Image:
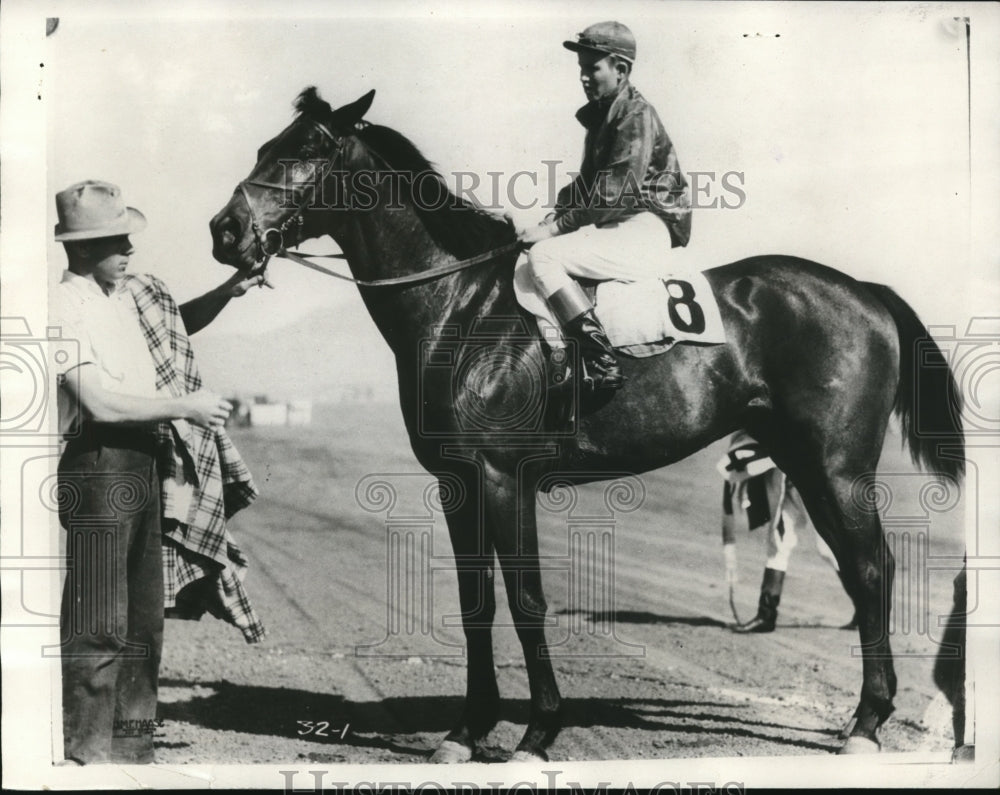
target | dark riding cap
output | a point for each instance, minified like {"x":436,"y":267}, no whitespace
{"x":610,"y":38}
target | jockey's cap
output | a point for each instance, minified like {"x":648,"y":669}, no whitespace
{"x":612,"y":38}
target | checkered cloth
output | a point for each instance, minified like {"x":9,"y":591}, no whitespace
{"x":204,"y":481}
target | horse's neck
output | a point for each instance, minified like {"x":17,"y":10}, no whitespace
{"x":384,"y":243}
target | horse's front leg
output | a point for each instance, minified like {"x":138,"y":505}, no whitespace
{"x":474,"y":563}
{"x":510,"y":509}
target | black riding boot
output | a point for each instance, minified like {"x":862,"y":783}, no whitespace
{"x":596,"y":351}
{"x":767,"y":608}
{"x":573,"y":310}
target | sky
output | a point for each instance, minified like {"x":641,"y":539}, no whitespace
{"x":848,"y":125}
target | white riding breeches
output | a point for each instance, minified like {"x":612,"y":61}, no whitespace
{"x":634,"y":249}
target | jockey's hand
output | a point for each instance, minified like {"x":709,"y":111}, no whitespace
{"x":533,"y":234}
{"x":240,"y":282}
{"x":729,"y":554}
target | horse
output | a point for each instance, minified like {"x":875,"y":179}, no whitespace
{"x":815,"y":365}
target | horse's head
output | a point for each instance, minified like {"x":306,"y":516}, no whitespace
{"x":267,"y":211}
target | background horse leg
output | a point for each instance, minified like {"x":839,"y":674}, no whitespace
{"x":511,"y":513}
{"x":474,"y":563}
{"x":949,"y":667}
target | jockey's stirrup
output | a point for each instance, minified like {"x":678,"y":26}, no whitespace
{"x":576,"y":314}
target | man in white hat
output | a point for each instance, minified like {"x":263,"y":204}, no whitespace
{"x":625,"y":210}
{"x":109,"y":413}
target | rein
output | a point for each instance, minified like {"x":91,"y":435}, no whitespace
{"x":267,"y":248}
{"x":410,"y":278}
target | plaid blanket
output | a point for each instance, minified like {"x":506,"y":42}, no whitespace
{"x":204,"y":481}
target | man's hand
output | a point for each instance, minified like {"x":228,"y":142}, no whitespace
{"x":533,"y":234}
{"x":207,"y":409}
{"x":203,"y":407}
{"x":199,"y":312}
{"x":239,"y":283}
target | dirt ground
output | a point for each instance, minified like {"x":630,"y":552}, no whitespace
{"x":363,"y":659}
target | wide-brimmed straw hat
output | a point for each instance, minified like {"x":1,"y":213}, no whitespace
{"x":93,"y":209}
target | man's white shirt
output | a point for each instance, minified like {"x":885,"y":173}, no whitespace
{"x":107,"y":330}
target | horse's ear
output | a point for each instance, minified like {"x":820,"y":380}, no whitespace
{"x":351,"y":114}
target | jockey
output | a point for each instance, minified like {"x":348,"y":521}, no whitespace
{"x":626,"y":208}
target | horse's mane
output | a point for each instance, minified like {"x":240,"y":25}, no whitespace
{"x":460,"y":227}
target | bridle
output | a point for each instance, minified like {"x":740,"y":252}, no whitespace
{"x":270,"y":242}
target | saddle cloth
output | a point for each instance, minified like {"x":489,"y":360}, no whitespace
{"x":648,"y":317}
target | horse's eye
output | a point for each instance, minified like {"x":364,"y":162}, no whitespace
{"x":302,"y":170}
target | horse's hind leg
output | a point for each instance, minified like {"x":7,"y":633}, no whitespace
{"x":868,"y":569}
{"x":841,"y":506}
{"x":474,"y":563}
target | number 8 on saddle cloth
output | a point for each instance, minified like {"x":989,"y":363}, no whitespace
{"x":648,"y":317}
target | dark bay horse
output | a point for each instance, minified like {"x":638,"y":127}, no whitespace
{"x":815,"y":364}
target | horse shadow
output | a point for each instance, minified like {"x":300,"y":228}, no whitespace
{"x":400,"y":724}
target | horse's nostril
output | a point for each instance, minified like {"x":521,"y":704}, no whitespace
{"x":227,"y":231}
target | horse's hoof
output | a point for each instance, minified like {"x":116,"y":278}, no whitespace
{"x":529,"y":756}
{"x":857,"y":744}
{"x":451,"y":753}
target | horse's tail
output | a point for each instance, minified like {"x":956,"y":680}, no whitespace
{"x":928,"y":401}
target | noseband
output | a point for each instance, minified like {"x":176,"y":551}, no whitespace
{"x":270,"y":242}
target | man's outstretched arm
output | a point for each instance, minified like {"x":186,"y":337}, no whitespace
{"x":199,"y":312}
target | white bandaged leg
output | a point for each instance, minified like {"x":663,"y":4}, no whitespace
{"x":795,"y":514}
{"x":779,"y":544}
{"x":826,"y":553}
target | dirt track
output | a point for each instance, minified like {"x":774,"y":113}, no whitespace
{"x":647,"y":666}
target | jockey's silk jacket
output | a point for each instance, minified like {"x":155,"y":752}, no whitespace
{"x":629,"y":165}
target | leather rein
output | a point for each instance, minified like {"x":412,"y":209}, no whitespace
{"x":270,"y":242}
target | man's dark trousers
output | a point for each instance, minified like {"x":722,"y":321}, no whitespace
{"x":112,"y":608}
